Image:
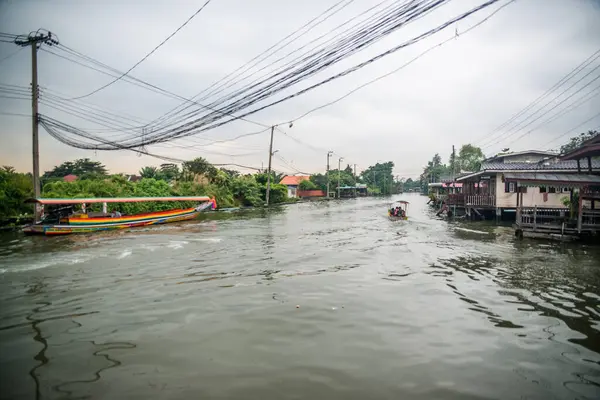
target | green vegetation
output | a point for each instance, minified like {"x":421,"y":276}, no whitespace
{"x":307,"y":185}
{"x":196,"y":178}
{"x":576,"y":141}
{"x":81,"y":167}
{"x":15,"y":188}
{"x":468,"y":159}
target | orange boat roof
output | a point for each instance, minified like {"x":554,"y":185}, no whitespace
{"x":92,"y":200}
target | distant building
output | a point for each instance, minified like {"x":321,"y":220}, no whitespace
{"x":292,"y":182}
{"x":70,"y":178}
{"x":494,"y":186}
{"x":133,"y":178}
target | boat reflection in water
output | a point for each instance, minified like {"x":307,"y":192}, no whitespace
{"x":62,"y":218}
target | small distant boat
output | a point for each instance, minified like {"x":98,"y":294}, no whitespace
{"x":61,"y":218}
{"x":402,"y":211}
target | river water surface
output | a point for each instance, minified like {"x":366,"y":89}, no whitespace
{"x":312,"y":301}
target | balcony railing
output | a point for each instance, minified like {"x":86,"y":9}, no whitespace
{"x":457,"y":199}
{"x":557,"y":219}
{"x":481,"y":200}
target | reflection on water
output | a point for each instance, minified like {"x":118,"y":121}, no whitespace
{"x":320,"y":300}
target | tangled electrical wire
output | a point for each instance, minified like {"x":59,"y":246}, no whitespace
{"x":247,"y":99}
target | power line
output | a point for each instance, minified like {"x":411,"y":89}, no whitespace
{"x":397,"y":69}
{"x":250,"y":64}
{"x":577,"y":127}
{"x":147,"y":55}
{"x":309,"y":68}
{"x":11,"y":54}
{"x":540,"y":116}
{"x":552,"y":89}
{"x":134,"y":81}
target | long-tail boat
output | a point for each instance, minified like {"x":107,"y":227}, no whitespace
{"x":61,"y":217}
{"x":402,"y":208}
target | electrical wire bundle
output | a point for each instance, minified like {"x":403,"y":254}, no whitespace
{"x":575,"y":89}
{"x":250,"y":98}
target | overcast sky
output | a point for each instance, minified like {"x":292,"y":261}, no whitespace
{"x":455,"y":94}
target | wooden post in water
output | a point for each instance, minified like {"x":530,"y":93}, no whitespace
{"x":580,"y":214}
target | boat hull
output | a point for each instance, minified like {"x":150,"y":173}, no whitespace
{"x":88,"y":225}
{"x":395,"y":218}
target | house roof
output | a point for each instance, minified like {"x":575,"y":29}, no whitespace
{"x":70,"y":178}
{"x":568,"y":165}
{"x":294,"y":180}
{"x":536,"y":166}
{"x":575,"y":180}
{"x":521,"y":153}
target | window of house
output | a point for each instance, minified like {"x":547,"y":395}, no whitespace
{"x":510,"y":187}
{"x":551,"y":189}
{"x":566,"y":190}
{"x":542,"y":189}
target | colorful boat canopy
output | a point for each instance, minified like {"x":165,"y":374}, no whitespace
{"x":117,"y":200}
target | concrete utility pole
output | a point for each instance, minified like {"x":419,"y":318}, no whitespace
{"x":354,"y":180}
{"x":329,"y":154}
{"x":454,"y":177}
{"x":339,"y":175}
{"x":35,"y":40}
{"x":269,"y":171}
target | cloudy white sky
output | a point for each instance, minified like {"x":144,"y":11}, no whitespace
{"x":456,"y":94}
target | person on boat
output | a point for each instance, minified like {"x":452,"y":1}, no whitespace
{"x":115,"y":214}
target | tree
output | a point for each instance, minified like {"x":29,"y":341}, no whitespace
{"x":197,"y":166}
{"x":307,"y":185}
{"x":379,"y":177}
{"x":78,"y":167}
{"x":577,"y":141}
{"x":15,"y":188}
{"x":169,"y":172}
{"x":470,"y":158}
{"x":231,"y":172}
{"x":149,"y":172}
{"x":320,"y":181}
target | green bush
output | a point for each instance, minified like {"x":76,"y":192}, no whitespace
{"x":307,"y":185}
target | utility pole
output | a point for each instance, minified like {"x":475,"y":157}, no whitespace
{"x":35,"y":40}
{"x":453,"y":178}
{"x":354,"y":180}
{"x":339,"y":175}
{"x":329,"y":154}
{"x":374,"y":179}
{"x":269,"y":171}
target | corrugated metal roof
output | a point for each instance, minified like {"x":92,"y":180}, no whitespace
{"x":518,"y":166}
{"x":571,"y":179}
{"x":521,"y":153}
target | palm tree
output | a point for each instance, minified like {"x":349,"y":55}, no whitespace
{"x":149,"y":172}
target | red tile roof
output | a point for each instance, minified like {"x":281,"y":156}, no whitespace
{"x":291,"y":180}
{"x":70,"y":178}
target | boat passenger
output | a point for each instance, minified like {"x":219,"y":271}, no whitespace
{"x":115,"y":214}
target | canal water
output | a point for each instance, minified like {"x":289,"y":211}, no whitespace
{"x":309,"y":301}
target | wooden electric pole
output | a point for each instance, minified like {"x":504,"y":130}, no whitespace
{"x":269,"y":170}
{"x":34,"y":40}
